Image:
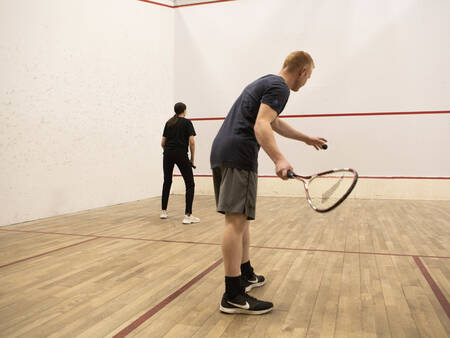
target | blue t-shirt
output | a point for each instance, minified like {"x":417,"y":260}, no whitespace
{"x":235,"y":145}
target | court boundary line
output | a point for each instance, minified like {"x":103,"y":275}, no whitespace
{"x":433,"y":285}
{"x":157,"y":3}
{"x":202,"y":3}
{"x":218,"y":244}
{"x":45,"y":253}
{"x":338,"y":115}
{"x":185,"y":5}
{"x":361,"y":177}
{"x":158,"y":307}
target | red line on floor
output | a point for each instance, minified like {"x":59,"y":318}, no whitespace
{"x":48,"y":233}
{"x":253,"y":246}
{"x":124,"y":332}
{"x":346,"y":252}
{"x":436,"y":290}
{"x":338,"y":115}
{"x":46,"y":253}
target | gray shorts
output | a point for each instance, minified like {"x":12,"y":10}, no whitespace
{"x":235,"y":191}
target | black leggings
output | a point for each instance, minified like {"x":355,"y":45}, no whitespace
{"x":181,"y":159}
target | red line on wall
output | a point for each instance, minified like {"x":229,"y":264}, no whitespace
{"x":187,"y":5}
{"x":339,"y":115}
{"x":405,"y":177}
{"x":436,"y":290}
{"x":203,"y":3}
{"x":157,"y":3}
{"x":138,"y":322}
{"x":364,"y":177}
{"x":385,"y":177}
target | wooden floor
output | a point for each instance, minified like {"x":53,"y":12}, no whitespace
{"x":371,"y":268}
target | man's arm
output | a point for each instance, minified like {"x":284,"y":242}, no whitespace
{"x":163,"y":142}
{"x":284,"y":129}
{"x":192,"y":148}
{"x":265,"y":137}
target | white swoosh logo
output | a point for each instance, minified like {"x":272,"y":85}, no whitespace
{"x":246,"y":306}
{"x":254,"y":281}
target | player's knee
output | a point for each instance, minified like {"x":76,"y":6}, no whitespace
{"x":237,"y":221}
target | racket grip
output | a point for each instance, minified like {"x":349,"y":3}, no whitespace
{"x":290,"y":174}
{"x":324,"y":146}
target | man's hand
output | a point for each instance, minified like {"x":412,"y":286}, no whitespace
{"x":316,"y":142}
{"x":281,"y":168}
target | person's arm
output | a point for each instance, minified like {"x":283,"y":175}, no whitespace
{"x":163,"y":142}
{"x":265,"y":137}
{"x":284,"y":129}
{"x":192,"y":148}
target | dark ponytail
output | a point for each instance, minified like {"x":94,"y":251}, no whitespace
{"x":179,"y":108}
{"x":172,"y":120}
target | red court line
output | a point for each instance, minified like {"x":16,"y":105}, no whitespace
{"x":111,"y":237}
{"x":157,"y":3}
{"x":346,"y":252}
{"x":380,"y":177}
{"x":187,"y":5}
{"x":436,"y":290}
{"x":47,"y":232}
{"x":203,"y":3}
{"x":46,"y":253}
{"x":339,"y":115}
{"x":253,"y":246}
{"x":405,"y":177}
{"x":124,"y":332}
{"x":364,"y":177}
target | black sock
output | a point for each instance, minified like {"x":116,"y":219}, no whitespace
{"x":232,"y":286}
{"x":246,"y":269}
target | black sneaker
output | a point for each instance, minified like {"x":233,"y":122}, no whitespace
{"x":244,"y":303}
{"x":252,"y":281}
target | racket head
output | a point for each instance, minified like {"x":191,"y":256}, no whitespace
{"x":326,"y":190}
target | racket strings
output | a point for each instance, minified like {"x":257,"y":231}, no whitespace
{"x":327,"y":191}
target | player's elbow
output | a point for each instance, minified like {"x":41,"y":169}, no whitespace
{"x":259,"y":130}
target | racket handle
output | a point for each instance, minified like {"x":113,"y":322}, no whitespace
{"x":324,"y":146}
{"x":290,"y":174}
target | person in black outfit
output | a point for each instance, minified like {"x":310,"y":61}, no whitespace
{"x":178,"y":136}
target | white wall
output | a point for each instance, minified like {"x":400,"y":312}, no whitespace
{"x":371,"y":56}
{"x":85,"y":87}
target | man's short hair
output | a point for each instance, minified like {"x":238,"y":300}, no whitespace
{"x":297,"y":60}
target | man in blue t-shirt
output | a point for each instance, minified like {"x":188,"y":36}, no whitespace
{"x":234,"y":161}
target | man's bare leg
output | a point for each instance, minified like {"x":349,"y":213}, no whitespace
{"x":246,"y":243}
{"x":232,"y":243}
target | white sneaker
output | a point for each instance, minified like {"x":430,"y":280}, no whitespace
{"x":163,"y":214}
{"x":190,"y":219}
